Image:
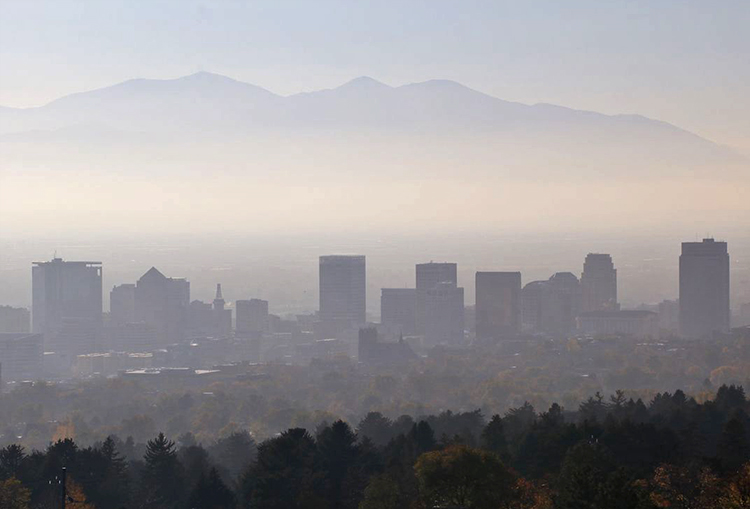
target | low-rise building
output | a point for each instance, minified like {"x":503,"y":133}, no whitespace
{"x":21,"y":356}
{"x":628,"y":322}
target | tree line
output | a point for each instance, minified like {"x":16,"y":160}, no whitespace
{"x":611,"y":452}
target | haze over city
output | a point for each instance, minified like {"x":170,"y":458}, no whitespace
{"x":374,"y":255}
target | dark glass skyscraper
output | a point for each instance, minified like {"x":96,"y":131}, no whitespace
{"x":704,"y":288}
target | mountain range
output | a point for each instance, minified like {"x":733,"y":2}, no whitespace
{"x":420,"y":123}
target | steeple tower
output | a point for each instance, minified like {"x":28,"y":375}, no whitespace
{"x":219,"y":300}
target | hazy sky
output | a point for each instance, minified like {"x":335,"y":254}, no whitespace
{"x":686,"y":62}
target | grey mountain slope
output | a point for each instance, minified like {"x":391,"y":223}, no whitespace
{"x":206,"y":105}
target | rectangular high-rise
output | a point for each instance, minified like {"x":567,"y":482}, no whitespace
{"x":429,"y":276}
{"x":599,"y":283}
{"x":498,"y":304}
{"x":398,"y":309}
{"x":252,"y":317}
{"x":65,"y":291}
{"x":444,"y":315}
{"x":342,"y":289}
{"x":704,"y":288}
{"x":162,"y":303}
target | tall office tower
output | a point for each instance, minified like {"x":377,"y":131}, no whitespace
{"x":252,"y":317}
{"x":65,"y":291}
{"x":222,"y":316}
{"x":122,"y":304}
{"x":162,"y":303}
{"x":599,"y":283}
{"x":532,"y":313}
{"x":444,"y":315}
{"x":429,"y":275}
{"x":342,"y":289}
{"x":563,"y":303}
{"x":551,"y":306}
{"x":498,"y":304}
{"x":704,"y":288}
{"x":398,"y":309}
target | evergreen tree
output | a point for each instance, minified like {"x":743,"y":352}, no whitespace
{"x":195,"y":464}
{"x":583,"y":474}
{"x":11,"y":458}
{"x":210,"y":492}
{"x":376,"y":427}
{"x":162,"y":483}
{"x":114,"y":491}
{"x":493,"y":437}
{"x":337,"y":446}
{"x":733,"y":444}
{"x":284,"y":475}
{"x":234,"y":453}
{"x":423,"y":437}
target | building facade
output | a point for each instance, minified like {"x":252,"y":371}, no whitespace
{"x":551,"y":306}
{"x":342,"y":282}
{"x":444,"y":315}
{"x":252,"y":317}
{"x":21,"y":356}
{"x":14,"y":319}
{"x":498,"y":304}
{"x":428,"y":276}
{"x":704,"y":288}
{"x":599,"y":283}
{"x":162,"y":303}
{"x":637,"y":323}
{"x":398,"y":310}
{"x":63,"y":292}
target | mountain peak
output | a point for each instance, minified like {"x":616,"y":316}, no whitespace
{"x":205,"y":76}
{"x":364,"y":83}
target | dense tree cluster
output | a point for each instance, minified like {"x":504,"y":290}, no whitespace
{"x":273,"y":397}
{"x":612,"y":452}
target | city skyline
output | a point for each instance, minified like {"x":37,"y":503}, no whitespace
{"x":359,"y":254}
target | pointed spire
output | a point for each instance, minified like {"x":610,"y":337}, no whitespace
{"x":219,"y":300}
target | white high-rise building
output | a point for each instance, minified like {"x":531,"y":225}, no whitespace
{"x":343,"y":289}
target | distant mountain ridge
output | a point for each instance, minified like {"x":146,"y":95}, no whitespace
{"x":206,"y":106}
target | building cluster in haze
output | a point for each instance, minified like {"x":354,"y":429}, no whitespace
{"x":154,"y":330}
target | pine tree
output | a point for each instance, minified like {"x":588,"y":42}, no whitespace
{"x":10,"y":460}
{"x":114,"y":490}
{"x":210,"y":492}
{"x":337,"y":446}
{"x":733,"y":444}
{"x":234,"y":453}
{"x":284,"y":474}
{"x":493,"y":437}
{"x":162,"y":475}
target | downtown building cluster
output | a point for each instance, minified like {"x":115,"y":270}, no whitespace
{"x":154,"y":329}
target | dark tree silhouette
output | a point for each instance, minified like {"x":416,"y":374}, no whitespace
{"x":163,"y":485}
{"x":210,"y":492}
{"x":284,"y":476}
